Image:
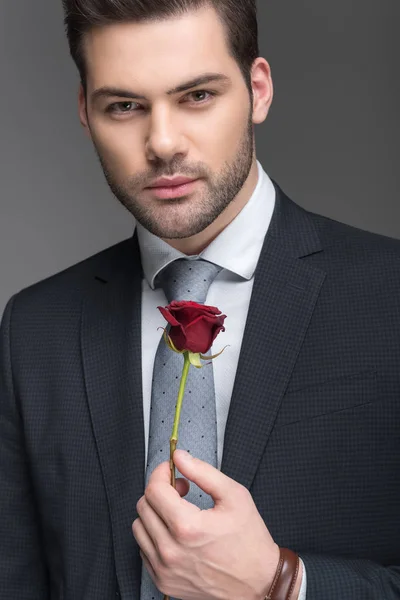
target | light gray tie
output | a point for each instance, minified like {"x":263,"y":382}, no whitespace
{"x":184,"y":279}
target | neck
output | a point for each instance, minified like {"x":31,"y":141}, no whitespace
{"x":197,"y":243}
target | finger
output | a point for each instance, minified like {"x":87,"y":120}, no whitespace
{"x":163,"y":473}
{"x":218,"y":485}
{"x":144,"y":541}
{"x":148,"y":567}
{"x":154,"y":526}
{"x":166,"y":500}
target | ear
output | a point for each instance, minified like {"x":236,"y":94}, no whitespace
{"x":263,"y":89}
{"x":82,"y":110}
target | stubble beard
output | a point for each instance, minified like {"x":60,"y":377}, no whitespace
{"x":168,"y":220}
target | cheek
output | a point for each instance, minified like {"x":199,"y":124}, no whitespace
{"x":224,"y":134}
{"x":118,"y":146}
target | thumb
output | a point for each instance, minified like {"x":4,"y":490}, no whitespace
{"x":208,"y":478}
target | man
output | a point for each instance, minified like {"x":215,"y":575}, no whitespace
{"x":306,"y":394}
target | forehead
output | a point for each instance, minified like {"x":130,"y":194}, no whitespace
{"x":157,"y":53}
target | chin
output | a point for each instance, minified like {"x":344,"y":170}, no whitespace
{"x":173,"y":231}
{"x":175,"y":235}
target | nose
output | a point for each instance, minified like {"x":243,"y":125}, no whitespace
{"x":164,"y":137}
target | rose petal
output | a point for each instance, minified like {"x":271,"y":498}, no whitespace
{"x":168,"y":316}
{"x":178,"y":336}
{"x":201,"y":333}
{"x":188,"y":304}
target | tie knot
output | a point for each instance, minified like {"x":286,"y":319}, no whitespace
{"x":186,"y":279}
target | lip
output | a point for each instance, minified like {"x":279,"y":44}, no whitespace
{"x":176,"y":181}
{"x":173,"y":191}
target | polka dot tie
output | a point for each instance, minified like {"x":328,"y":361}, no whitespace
{"x":184,"y":279}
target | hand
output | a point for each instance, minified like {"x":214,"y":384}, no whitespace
{"x":221,"y":553}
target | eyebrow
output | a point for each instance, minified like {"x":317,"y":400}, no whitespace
{"x":107,"y":92}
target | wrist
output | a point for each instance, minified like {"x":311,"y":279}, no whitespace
{"x":271,"y":567}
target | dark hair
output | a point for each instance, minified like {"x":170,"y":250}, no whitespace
{"x":239,"y":18}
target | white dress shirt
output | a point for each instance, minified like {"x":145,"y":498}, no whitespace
{"x":236,"y":249}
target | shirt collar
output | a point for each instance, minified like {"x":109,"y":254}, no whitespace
{"x":237,"y":248}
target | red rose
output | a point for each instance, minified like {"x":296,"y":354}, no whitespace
{"x":194,"y":326}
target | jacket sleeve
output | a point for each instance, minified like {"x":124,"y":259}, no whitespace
{"x":332,"y":578}
{"x":23,"y":571}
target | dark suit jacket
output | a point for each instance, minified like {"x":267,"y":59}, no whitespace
{"x":313,"y":429}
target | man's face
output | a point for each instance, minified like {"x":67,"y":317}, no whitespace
{"x":204,"y":133}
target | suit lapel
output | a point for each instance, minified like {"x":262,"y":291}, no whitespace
{"x":283,"y":299}
{"x":111,"y":351}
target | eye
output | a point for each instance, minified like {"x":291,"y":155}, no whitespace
{"x":201,"y":93}
{"x":116,"y":106}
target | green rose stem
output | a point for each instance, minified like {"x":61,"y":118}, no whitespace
{"x":174,"y":437}
{"x":190,"y":358}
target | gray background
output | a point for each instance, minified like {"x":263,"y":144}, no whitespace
{"x":331,"y":139}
